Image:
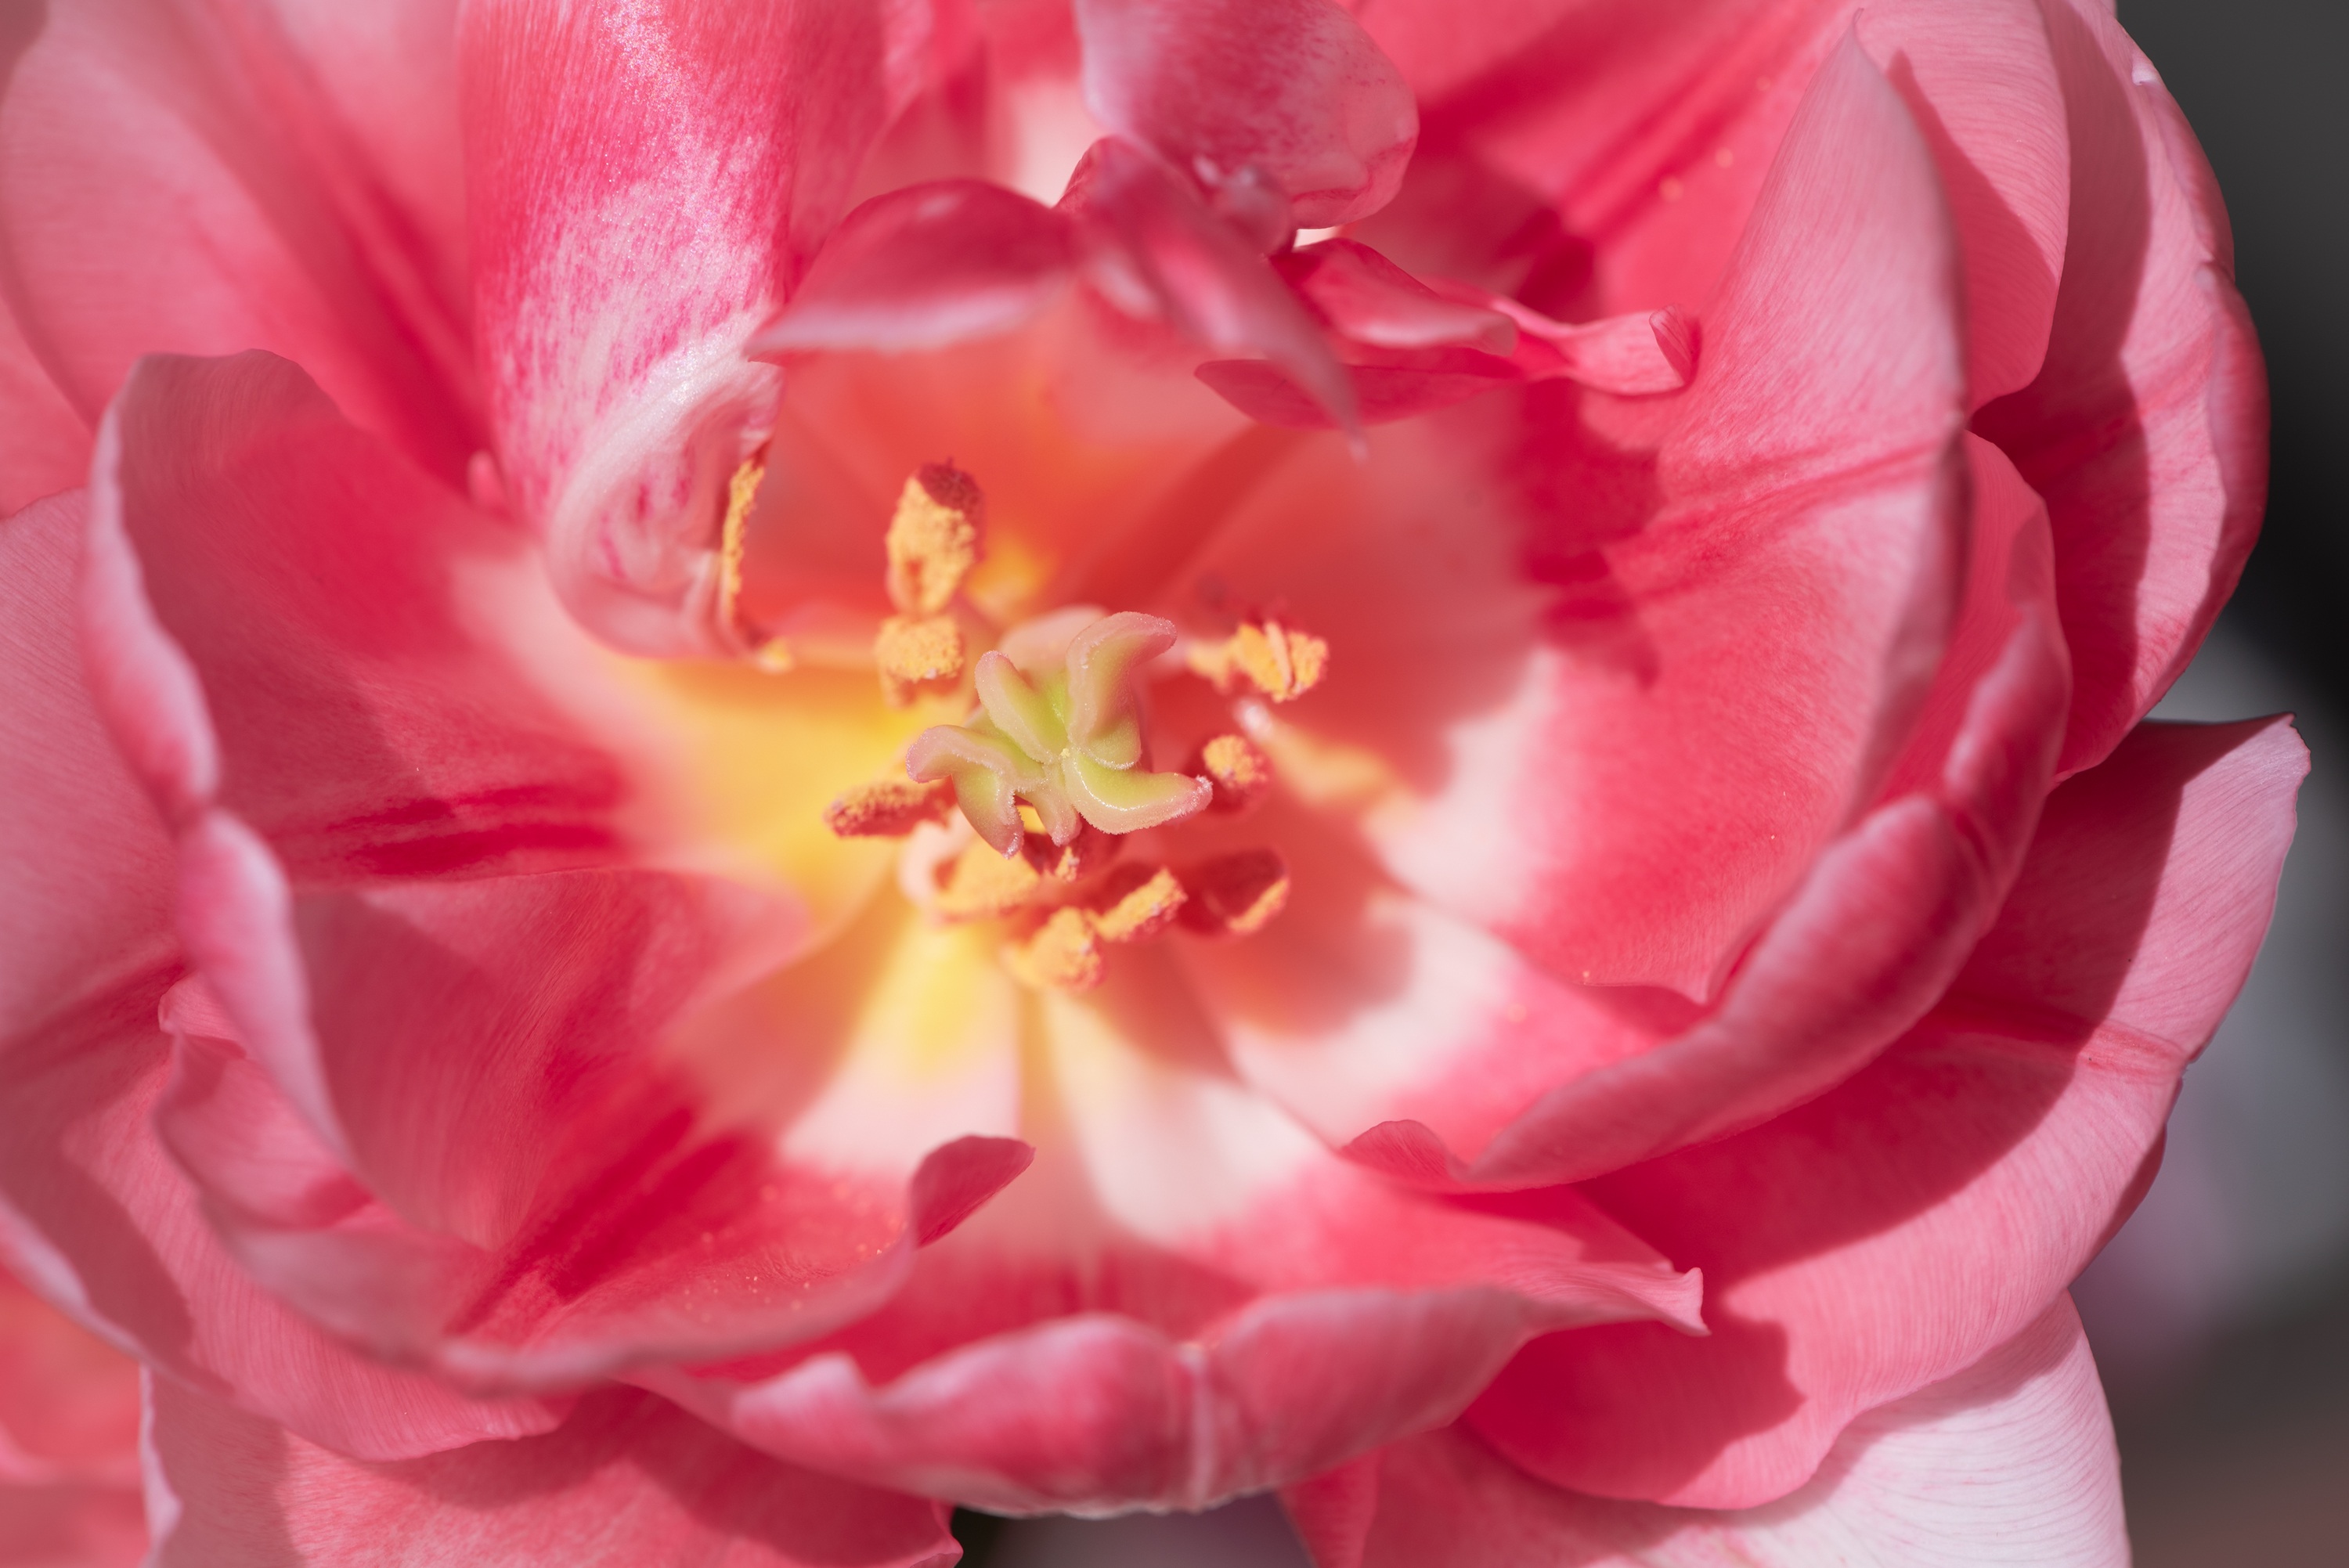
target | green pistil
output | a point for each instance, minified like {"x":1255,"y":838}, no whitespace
{"x":1070,"y":746}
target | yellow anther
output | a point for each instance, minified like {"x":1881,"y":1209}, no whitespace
{"x":1135,"y":903}
{"x":888,"y":809}
{"x":733,"y":538}
{"x":933,"y":539}
{"x":1235,"y":895}
{"x":981,"y":884}
{"x":1060,"y":955}
{"x":1275,"y":661}
{"x":914,"y":651}
{"x":1238,"y":770}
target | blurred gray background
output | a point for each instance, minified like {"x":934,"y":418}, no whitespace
{"x":2221,"y":1314}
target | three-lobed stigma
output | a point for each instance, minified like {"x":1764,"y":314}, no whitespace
{"x":1065,"y":741}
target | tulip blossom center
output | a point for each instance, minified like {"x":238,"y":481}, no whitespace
{"x":1069,"y":745}
{"x":1050,"y":772}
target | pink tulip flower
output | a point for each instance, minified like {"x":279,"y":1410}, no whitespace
{"x":771,"y":764}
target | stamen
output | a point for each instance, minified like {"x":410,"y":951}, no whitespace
{"x":983,"y":885}
{"x":934,"y":538}
{"x":1135,"y":903}
{"x":1062,"y":955}
{"x":1279,"y":662}
{"x":1234,"y":895}
{"x":772,"y":655}
{"x":933,"y":543}
{"x":888,"y":808}
{"x":1069,"y":749}
{"x":1238,"y":770}
{"x":913,"y":650}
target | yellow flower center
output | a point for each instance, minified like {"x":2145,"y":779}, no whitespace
{"x":1018,"y":812}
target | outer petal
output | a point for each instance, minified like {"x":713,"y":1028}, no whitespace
{"x":2009,"y":1461}
{"x":1886,"y":1235}
{"x":469,"y":1150}
{"x":1749,"y":571}
{"x":102,"y":1217}
{"x":2147,"y":432}
{"x":644,"y":188}
{"x":1188,"y":1298}
{"x":1602,"y":156}
{"x":344,"y":686}
{"x":628,"y":1482}
{"x":274,"y":174}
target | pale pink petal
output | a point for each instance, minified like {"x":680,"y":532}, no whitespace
{"x":924,"y":267}
{"x":2008,"y":1461}
{"x":275,"y":174}
{"x":1291,"y":88}
{"x":2147,"y":432}
{"x":109,"y":1225}
{"x":348,"y":689}
{"x":1888,"y":1233}
{"x":626,"y":1482}
{"x":1187,"y":1298}
{"x":468,"y":1149}
{"x":644,"y":188}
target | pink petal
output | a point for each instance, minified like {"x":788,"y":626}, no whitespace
{"x":1188,"y":1298}
{"x":644,"y":192}
{"x":1292,"y":88}
{"x":1380,"y":394}
{"x":68,"y":1441}
{"x":1369,"y":298}
{"x":1886,"y":1235}
{"x":628,"y":1481}
{"x":924,"y":267}
{"x":356,"y":691}
{"x":47,"y":448}
{"x":1855,"y":957}
{"x":1646,"y":136}
{"x":2008,"y":1461}
{"x":1156,"y":251}
{"x":277,"y":174}
{"x":468,"y":1151}
{"x":109,"y":1225}
{"x":69,"y":1401}
{"x":1627,"y":695}
{"x":1982,"y":86}
{"x":87,"y":890}
{"x":72,"y":1526}
{"x":2146,"y":430}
